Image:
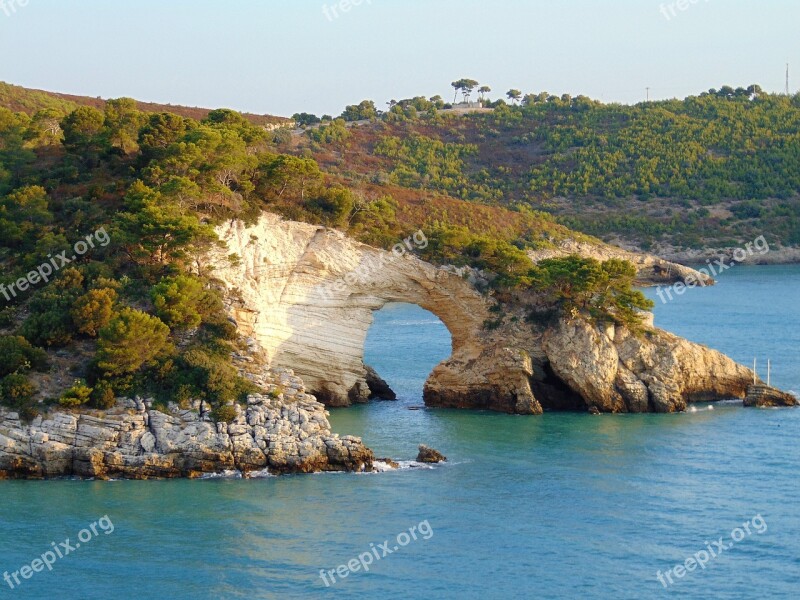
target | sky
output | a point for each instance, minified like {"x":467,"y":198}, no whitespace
{"x":286,"y":56}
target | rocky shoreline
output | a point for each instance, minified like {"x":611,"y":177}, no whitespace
{"x":286,"y":431}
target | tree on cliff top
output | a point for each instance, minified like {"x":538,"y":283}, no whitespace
{"x":604,"y":290}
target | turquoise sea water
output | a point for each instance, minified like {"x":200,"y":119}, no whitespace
{"x":558,"y":506}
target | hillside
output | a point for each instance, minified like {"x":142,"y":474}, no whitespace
{"x":20,"y":99}
{"x":107,"y":218}
{"x":710,"y":171}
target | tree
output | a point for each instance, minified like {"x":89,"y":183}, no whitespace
{"x":82,"y":133}
{"x":92,"y":311}
{"x":457,"y":86}
{"x":465,"y":86}
{"x":183,"y":301}
{"x":290,"y":175}
{"x":514,"y":95}
{"x":155,"y":231}
{"x":131,"y":339}
{"x":161,"y":131}
{"x":46,"y":127}
{"x":358,"y":112}
{"x":602,"y":290}
{"x":121,"y":125}
{"x":50,"y":321}
{"x":484,"y":89}
{"x":305,"y":119}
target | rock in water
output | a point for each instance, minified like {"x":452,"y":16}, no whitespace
{"x":429,"y":455}
{"x":378,"y":388}
{"x":760,"y":395}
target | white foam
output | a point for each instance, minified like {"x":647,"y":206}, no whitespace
{"x":260,"y":474}
{"x":227,"y":474}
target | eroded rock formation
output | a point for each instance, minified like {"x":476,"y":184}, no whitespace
{"x":284,"y":432}
{"x":306,"y":295}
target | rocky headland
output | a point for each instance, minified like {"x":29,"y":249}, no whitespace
{"x":303,"y":298}
{"x":285,"y":431}
{"x":305,"y":295}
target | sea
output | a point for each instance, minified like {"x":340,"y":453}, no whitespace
{"x":702,"y":504}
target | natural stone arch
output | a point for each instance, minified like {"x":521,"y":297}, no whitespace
{"x":305,"y":296}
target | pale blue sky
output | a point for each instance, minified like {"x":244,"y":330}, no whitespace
{"x":284,"y":56}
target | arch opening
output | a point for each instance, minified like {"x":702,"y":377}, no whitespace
{"x":403,"y":345}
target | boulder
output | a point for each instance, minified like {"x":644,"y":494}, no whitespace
{"x":429,"y":455}
{"x":762,"y":396}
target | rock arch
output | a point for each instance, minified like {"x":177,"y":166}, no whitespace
{"x":305,"y":295}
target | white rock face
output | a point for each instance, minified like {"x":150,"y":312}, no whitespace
{"x":616,"y":371}
{"x":307,"y":295}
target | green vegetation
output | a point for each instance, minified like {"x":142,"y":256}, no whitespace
{"x":17,"y":358}
{"x":714,"y":169}
{"x":158,"y":184}
{"x":132,"y":339}
{"x":484,"y":188}
{"x":603,"y":290}
{"x":77,"y":395}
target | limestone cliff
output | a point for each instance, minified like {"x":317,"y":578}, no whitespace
{"x":306,"y":295}
{"x":285,"y":432}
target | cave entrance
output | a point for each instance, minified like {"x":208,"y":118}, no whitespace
{"x":404,"y":344}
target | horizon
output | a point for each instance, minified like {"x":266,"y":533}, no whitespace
{"x":616,"y":54}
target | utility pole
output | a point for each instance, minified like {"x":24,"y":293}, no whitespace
{"x":648,"y":93}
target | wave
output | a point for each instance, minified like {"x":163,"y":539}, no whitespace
{"x":237,"y":474}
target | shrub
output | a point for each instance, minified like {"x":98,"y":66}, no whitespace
{"x":16,"y":353}
{"x":103,"y":395}
{"x":130,"y":340}
{"x":16,"y":390}
{"x":50,"y":322}
{"x":224,"y":413}
{"x":77,"y":395}
{"x":92,"y":311}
